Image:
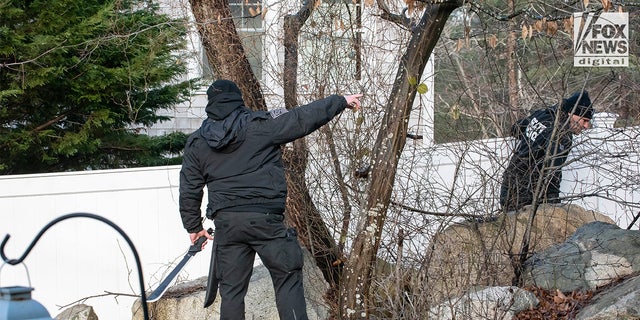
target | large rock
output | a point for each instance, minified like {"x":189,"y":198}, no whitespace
{"x":489,"y":303}
{"x":186,"y":300}
{"x":596,"y":255}
{"x":78,"y":312}
{"x":599,"y":259}
{"x":477,"y":254}
{"x":621,"y":301}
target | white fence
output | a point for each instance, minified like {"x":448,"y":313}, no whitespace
{"x":82,"y":257}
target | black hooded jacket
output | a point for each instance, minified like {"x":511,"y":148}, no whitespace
{"x":530,"y":163}
{"x":238,"y":156}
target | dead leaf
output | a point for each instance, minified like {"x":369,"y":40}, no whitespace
{"x":568,"y":25}
{"x":455,"y":112}
{"x":538,"y":25}
{"x":493,"y":41}
{"x":559,"y":297}
{"x":552,"y":28}
{"x":525,"y":32}
{"x":557,"y":300}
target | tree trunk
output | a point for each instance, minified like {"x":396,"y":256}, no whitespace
{"x":356,"y":279}
{"x":224,"y":49}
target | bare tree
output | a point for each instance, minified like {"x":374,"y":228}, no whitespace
{"x":390,"y":142}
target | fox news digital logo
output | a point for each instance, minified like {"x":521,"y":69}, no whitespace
{"x":601,"y":40}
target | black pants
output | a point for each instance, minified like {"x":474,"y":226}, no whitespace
{"x":239,"y":236}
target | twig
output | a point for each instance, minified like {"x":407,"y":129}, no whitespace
{"x":107,"y":293}
{"x":634,"y":221}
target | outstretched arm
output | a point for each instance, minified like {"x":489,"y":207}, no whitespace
{"x":301,"y":121}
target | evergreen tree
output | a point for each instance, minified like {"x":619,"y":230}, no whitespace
{"x":78,"y":78}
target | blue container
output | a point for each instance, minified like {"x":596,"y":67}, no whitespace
{"x":16,"y":304}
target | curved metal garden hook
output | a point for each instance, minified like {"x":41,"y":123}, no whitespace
{"x":143,"y":295}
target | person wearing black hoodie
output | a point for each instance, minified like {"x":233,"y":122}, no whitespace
{"x":544,"y":141}
{"x":236,"y":154}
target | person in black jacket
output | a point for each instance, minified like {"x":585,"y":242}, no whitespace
{"x":236,"y":154}
{"x":544,"y":141}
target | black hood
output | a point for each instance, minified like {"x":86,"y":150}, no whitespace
{"x":224,"y":97}
{"x":228,"y":133}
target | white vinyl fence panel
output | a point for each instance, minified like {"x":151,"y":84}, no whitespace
{"x":82,"y":257}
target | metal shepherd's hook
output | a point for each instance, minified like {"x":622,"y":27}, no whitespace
{"x":143,"y":296}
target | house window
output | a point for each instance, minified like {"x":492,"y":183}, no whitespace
{"x":246,"y":14}
{"x":248,"y":20}
{"x":249,"y":25}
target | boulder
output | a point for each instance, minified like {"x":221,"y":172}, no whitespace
{"x":489,"y":303}
{"x":593,"y":275}
{"x":186,"y":300}
{"x":478,"y":253}
{"x":596,"y":255}
{"x":621,"y":301}
{"x":78,"y":312}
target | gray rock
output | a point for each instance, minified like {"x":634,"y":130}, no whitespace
{"x":489,"y":303}
{"x":78,"y":312}
{"x":478,"y":254}
{"x":596,"y":254}
{"x":186,"y":300}
{"x":619,"y":302}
